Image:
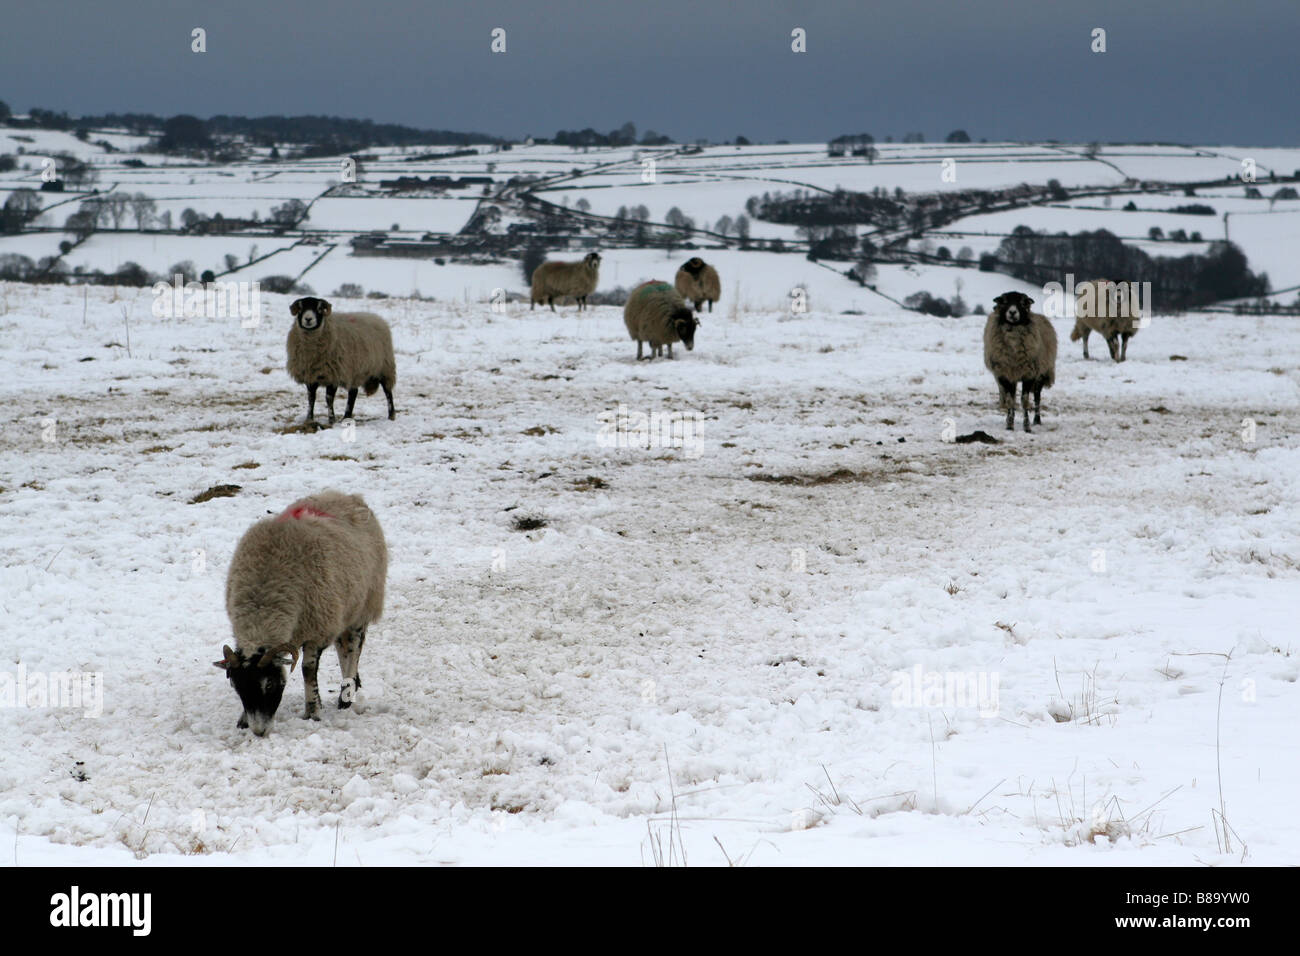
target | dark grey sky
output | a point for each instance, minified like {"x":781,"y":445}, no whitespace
{"x":1179,"y":70}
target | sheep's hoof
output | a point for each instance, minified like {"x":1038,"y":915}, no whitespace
{"x":1037,"y":420}
{"x":311,"y":715}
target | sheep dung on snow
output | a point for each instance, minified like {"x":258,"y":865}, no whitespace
{"x":1109,"y":309}
{"x":1019,"y":346}
{"x":699,"y":281}
{"x":655,"y":313}
{"x":554,"y":279}
{"x":349,"y":350}
{"x":311,"y":577}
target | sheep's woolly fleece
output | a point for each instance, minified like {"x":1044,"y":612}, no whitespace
{"x":555,"y":278}
{"x":734,"y":630}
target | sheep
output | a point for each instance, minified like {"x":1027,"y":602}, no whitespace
{"x":311,"y":577}
{"x":655,"y":313}
{"x":699,"y":281}
{"x":552,"y":280}
{"x":1109,"y":309}
{"x":1019,"y":346}
{"x":349,"y":350}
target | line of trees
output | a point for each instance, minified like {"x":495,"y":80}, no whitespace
{"x":1185,"y":282}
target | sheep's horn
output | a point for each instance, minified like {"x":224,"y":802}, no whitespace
{"x":269,"y":657}
{"x":229,"y":659}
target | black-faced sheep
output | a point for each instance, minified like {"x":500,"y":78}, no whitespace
{"x":656,"y":314}
{"x":1019,"y":346}
{"x":697,"y":280}
{"x":349,"y":350}
{"x":311,"y":577}
{"x":554,"y":279}
{"x":1109,"y":309}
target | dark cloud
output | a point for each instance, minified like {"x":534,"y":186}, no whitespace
{"x":1017,"y":69}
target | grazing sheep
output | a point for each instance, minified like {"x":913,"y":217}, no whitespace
{"x":349,"y":350}
{"x":311,"y":577}
{"x":552,"y":280}
{"x":699,"y":281}
{"x":655,"y":313}
{"x":1019,"y":346}
{"x":1109,"y":309}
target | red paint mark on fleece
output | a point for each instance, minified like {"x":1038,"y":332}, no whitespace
{"x":302,"y":511}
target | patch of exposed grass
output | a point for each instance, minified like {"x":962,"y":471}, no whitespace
{"x":216,"y":491}
{"x":528,"y":522}
{"x":303,"y":428}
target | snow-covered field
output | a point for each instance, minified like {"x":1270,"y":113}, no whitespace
{"x":729,"y":629}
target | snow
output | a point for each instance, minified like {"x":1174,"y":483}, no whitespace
{"x":726,"y":628}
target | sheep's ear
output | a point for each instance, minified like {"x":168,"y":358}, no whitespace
{"x":230,"y":658}
{"x":324,"y":308}
{"x":295,"y":308}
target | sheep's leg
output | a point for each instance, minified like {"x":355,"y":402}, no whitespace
{"x":1038,"y":403}
{"x":1007,"y":401}
{"x":348,"y":647}
{"x":551,"y":301}
{"x":710,"y":305}
{"x":352,"y":400}
{"x":532,"y":305}
{"x":1086,"y":332}
{"x":310,"y":661}
{"x":1025,"y":389}
{"x":329,"y":400}
{"x":1112,"y":343}
{"x":311,"y":402}
{"x":670,"y":349}
{"x":1123,"y":352}
{"x":638,"y":350}
{"x":388,"y":394}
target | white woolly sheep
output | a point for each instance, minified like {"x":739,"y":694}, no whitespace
{"x":656,"y":314}
{"x":699,"y":281}
{"x":1019,"y":346}
{"x":554,"y":279}
{"x":349,"y":350}
{"x":311,"y":577}
{"x":1109,"y":309}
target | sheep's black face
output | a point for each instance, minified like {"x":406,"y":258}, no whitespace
{"x":260,"y":688}
{"x":1013,"y":308}
{"x":592,"y":259}
{"x":310,"y":312}
{"x":694,"y":265}
{"x":684,"y":323}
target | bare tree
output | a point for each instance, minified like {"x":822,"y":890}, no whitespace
{"x":144,"y":210}
{"x":116,"y":205}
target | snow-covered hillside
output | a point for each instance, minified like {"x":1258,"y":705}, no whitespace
{"x":727,"y":641}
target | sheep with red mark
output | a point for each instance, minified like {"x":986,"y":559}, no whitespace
{"x":309,"y":578}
